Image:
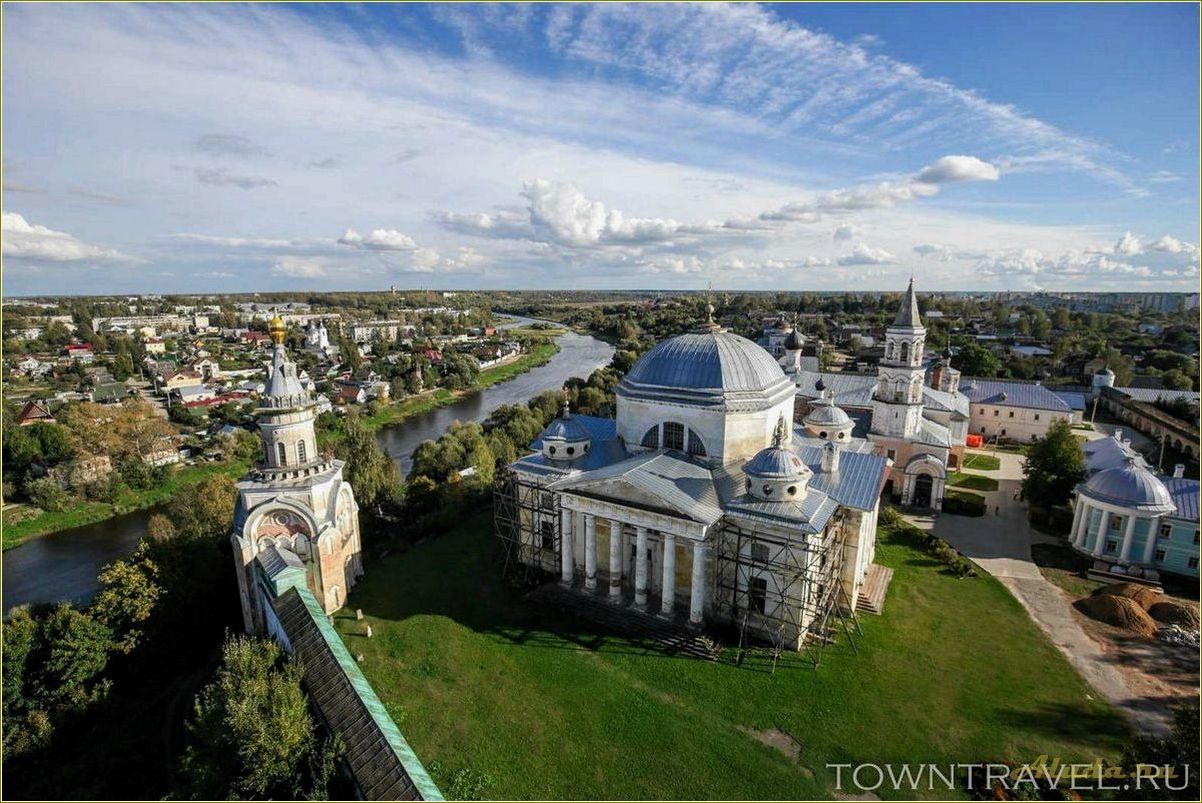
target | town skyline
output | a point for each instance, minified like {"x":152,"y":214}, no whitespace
{"x":273,"y":148}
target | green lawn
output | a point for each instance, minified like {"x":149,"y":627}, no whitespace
{"x":953,"y":671}
{"x":976,"y":482}
{"x":982,"y":462}
{"x":87,"y":512}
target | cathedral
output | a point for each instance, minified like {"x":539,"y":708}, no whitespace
{"x":920,"y":427}
{"x":294,"y":508}
{"x":703,"y":501}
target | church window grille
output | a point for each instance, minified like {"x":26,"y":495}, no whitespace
{"x":792,"y":490}
{"x":300,"y":451}
{"x":759,"y":552}
{"x":696,"y":445}
{"x":757,"y":594}
{"x":767,"y":489}
{"x":651,"y":438}
{"x":571,"y":451}
{"x":281,"y":453}
{"x":674,"y":435}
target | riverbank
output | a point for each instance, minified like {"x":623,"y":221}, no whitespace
{"x":88,"y":512}
{"x":411,"y":406}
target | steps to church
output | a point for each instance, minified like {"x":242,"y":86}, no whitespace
{"x":873,"y":589}
{"x":627,"y":622}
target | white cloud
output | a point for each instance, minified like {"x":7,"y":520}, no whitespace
{"x":957,"y":168}
{"x":378,"y":240}
{"x":298,"y":268}
{"x":1171,"y":245}
{"x":846,"y":232}
{"x":222,"y":177}
{"x":24,"y":240}
{"x":863,"y":254}
{"x":934,"y":251}
{"x":1129,"y":245}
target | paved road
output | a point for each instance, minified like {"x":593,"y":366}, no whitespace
{"x":1000,"y":543}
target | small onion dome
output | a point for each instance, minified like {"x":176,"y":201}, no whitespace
{"x":277,"y":329}
{"x":827,"y":421}
{"x":795,"y":340}
{"x":776,"y":474}
{"x":1106,"y":372}
{"x":565,"y":438}
{"x":1132,"y":485}
{"x":820,"y":385}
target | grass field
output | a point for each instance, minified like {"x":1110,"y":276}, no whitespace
{"x":86,"y":512}
{"x":953,"y":671}
{"x":982,"y":462}
{"x":975,"y":482}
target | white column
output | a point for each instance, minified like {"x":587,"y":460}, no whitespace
{"x":1128,"y":536}
{"x":640,"y":568}
{"x":697,"y":599}
{"x":1082,"y":530}
{"x":565,"y":546}
{"x":669,"y":581}
{"x":615,"y":559}
{"x":590,"y":551}
{"x":1150,"y":544}
{"x":1099,"y":546}
{"x":1072,"y":533}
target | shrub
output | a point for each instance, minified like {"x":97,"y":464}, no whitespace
{"x":47,"y":494}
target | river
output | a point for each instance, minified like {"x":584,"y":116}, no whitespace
{"x":63,"y":565}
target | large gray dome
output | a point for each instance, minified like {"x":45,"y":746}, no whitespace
{"x":712,"y":368}
{"x":1131,"y":485}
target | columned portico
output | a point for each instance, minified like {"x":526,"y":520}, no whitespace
{"x":697,"y":597}
{"x":590,"y":552}
{"x":640,"y":568}
{"x":566,"y":562}
{"x":668,"y":585}
{"x":1150,"y":543}
{"x":615,"y":560}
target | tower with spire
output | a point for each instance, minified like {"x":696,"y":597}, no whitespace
{"x":294,"y":507}
{"x":897,"y":402}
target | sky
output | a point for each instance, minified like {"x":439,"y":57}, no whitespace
{"x":232,"y":148}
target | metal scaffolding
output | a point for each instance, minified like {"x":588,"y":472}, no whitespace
{"x":785,"y":592}
{"x":527,"y":520}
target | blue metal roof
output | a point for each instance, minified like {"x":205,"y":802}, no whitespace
{"x":856,"y":484}
{"x":1185,"y":496}
{"x":599,"y":429}
{"x":1012,"y":394}
{"x":1151,"y":395}
{"x":711,"y":368}
{"x":1074,"y":400}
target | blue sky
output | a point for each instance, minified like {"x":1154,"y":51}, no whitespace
{"x":811,"y":146}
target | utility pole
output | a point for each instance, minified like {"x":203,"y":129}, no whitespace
{"x":1164,"y":436}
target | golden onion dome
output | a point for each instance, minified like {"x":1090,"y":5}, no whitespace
{"x":277,"y":329}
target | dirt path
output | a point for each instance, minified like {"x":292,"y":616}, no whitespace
{"x":1000,"y":542}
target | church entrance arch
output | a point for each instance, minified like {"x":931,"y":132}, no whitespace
{"x":923,"y":485}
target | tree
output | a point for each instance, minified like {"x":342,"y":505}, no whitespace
{"x":127,"y":596}
{"x":1175,"y":379}
{"x":131,"y":429}
{"x":251,"y":729}
{"x":47,"y":494}
{"x":199,"y":511}
{"x":1055,"y":464}
{"x":1178,"y":751}
{"x":976,"y":360}
{"x":73,"y":649}
{"x":370,"y":471}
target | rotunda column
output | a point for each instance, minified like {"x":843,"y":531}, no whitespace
{"x":1099,"y":547}
{"x":1082,"y":531}
{"x":590,"y":551}
{"x":1150,"y":544}
{"x":697,"y":589}
{"x":566,"y":563}
{"x":1128,"y":537}
{"x":640,"y":568}
{"x":1076,"y":520}
{"x":668,"y":600}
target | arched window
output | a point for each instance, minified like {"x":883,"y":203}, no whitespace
{"x":674,"y":435}
{"x":281,"y":454}
{"x":300,"y":452}
{"x":905,"y":352}
{"x":651,"y":438}
{"x":696,"y":445}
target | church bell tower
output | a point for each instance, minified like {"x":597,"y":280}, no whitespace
{"x":897,"y":402}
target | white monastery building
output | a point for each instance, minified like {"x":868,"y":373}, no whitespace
{"x":703,"y":500}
